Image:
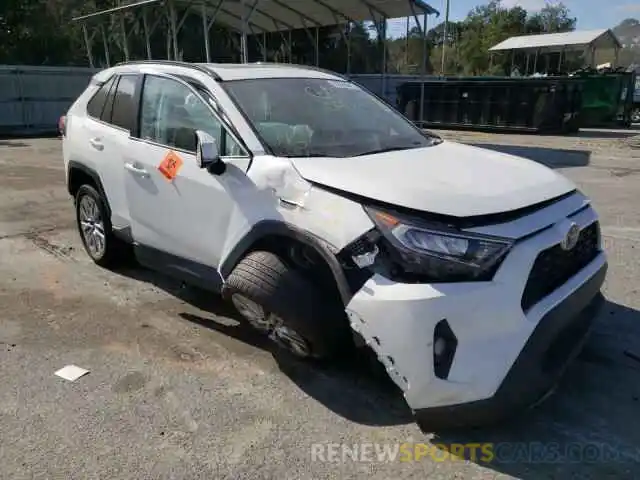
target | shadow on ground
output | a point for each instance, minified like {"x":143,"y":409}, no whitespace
{"x":605,"y":133}
{"x":357,"y":389}
{"x":13,"y":144}
{"x":28,"y":134}
{"x":588,"y":429}
{"x":551,"y":157}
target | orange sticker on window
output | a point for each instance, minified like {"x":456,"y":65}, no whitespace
{"x":170,"y":166}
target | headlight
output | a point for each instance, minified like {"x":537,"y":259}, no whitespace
{"x":441,"y":254}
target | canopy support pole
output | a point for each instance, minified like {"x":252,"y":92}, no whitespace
{"x":349,"y":49}
{"x":317,"y":47}
{"x":173,"y":30}
{"x":105,"y":44}
{"x":205,"y":32}
{"x":384,"y":58}
{"x":244,"y":54}
{"x":87,"y":43}
{"x":264,"y":46}
{"x":423,"y":68}
{"x":147,"y":39}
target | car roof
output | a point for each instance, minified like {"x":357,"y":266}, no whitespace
{"x":225,"y":71}
{"x":237,"y":71}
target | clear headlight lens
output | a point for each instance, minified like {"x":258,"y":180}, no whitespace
{"x":440,"y":253}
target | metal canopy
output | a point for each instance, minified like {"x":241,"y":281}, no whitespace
{"x":262,"y":16}
{"x":561,"y":41}
{"x":257,"y":18}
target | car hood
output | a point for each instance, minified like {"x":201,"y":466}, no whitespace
{"x":448,"y":179}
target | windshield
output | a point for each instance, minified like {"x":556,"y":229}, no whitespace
{"x":301,"y":117}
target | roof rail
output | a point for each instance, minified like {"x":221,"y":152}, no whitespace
{"x":174,"y":63}
{"x":306,"y":67}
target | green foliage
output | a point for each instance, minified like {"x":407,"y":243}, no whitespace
{"x":490,"y":24}
{"x":467,"y":42}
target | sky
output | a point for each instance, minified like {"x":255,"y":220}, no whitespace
{"x":591,"y":14}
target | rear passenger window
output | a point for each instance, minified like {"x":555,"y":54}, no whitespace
{"x":124,"y":105}
{"x":96,"y":104}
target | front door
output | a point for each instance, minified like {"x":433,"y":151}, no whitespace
{"x":180,"y":215}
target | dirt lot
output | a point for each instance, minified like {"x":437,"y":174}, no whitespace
{"x":179,"y":389}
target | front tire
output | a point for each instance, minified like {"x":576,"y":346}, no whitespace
{"x":94,"y":226}
{"x":280,"y":302}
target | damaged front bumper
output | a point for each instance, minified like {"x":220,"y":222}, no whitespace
{"x":556,"y":341}
{"x":467,"y":354}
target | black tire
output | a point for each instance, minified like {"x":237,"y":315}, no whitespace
{"x":115,"y":252}
{"x":268,"y":281}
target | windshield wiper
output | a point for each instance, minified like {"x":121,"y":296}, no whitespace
{"x":309,"y":155}
{"x":383,"y":150}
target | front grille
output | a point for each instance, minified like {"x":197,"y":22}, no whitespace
{"x":554,"y":267}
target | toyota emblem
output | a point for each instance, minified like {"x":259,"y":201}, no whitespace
{"x":571,"y":238}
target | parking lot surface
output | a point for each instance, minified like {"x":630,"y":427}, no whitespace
{"x":179,"y":389}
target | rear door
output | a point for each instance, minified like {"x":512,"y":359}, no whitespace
{"x":111,"y":122}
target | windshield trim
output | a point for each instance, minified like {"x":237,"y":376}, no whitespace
{"x":267,"y":148}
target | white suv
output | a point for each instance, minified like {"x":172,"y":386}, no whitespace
{"x":331,"y":221}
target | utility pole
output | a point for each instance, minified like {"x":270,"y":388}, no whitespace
{"x":444,"y":39}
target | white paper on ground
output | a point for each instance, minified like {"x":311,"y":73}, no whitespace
{"x":71,"y":372}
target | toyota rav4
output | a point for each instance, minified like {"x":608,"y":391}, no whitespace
{"x":332,"y":222}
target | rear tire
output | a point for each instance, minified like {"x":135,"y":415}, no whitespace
{"x":96,"y":233}
{"x":291,"y":306}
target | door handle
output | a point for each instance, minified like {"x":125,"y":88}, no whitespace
{"x":96,"y":143}
{"x":137,"y":170}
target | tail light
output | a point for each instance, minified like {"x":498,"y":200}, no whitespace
{"x":62,"y":125}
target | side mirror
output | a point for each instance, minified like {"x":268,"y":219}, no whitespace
{"x":207,"y":153}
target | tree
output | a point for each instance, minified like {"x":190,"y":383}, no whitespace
{"x":468,"y":44}
{"x":553,"y":18}
{"x":484,"y":27}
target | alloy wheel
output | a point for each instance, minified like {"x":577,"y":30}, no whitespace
{"x":271,"y":324}
{"x":92,"y":226}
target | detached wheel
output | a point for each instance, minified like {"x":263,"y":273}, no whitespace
{"x":95,"y":230}
{"x":280,"y":302}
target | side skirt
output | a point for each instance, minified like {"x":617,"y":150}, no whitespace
{"x":188,"y":271}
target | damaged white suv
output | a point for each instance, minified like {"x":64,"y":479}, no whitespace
{"x":330,"y":220}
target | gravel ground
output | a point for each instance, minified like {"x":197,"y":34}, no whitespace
{"x":179,"y":389}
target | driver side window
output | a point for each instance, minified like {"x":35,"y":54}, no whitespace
{"x":171,"y":113}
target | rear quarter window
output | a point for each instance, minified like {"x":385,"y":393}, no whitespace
{"x":95,"y":106}
{"x":108,"y":104}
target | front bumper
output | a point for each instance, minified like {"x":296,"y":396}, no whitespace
{"x":504,"y":359}
{"x":556,"y":341}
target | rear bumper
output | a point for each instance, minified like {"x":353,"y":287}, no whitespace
{"x":555,"y":342}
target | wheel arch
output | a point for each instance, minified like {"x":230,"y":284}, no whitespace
{"x":79,"y":174}
{"x":264,"y":232}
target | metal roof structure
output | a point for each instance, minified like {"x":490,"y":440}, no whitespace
{"x":262,"y":16}
{"x":561,"y":41}
{"x":248,"y":17}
